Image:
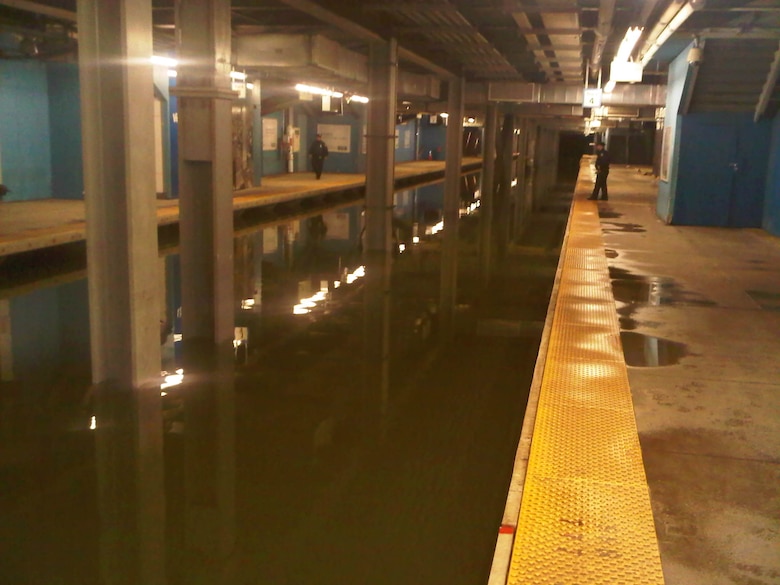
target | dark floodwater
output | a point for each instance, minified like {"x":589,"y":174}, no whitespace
{"x":281,"y":463}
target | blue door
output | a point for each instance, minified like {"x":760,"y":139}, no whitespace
{"x":722,"y":171}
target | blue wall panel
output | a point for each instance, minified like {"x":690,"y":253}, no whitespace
{"x":65,"y":124}
{"x":771,"y":220}
{"x":433,"y":140}
{"x":407,"y":141}
{"x":337,"y":162}
{"x":25,"y":152}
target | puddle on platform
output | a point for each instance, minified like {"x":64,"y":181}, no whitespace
{"x":633,"y":290}
{"x":645,"y":351}
{"x":611,"y":253}
{"x":768,"y":301}
{"x":623,"y":228}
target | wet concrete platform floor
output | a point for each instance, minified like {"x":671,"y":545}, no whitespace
{"x":320,"y":495}
{"x":707,"y":419}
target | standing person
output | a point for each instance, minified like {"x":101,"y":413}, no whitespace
{"x":602,"y":172}
{"x":318,"y":151}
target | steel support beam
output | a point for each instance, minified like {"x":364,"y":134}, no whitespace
{"x":452,"y":179}
{"x":380,"y":166}
{"x":117,"y":99}
{"x":38,"y":8}
{"x":317,"y":11}
{"x":487,"y":194}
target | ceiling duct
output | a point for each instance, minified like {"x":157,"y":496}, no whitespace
{"x":317,"y":59}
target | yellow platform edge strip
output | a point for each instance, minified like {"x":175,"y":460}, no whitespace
{"x":585,"y":515}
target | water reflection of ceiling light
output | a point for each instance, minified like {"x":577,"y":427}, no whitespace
{"x":93,"y":423}
{"x":514,"y":182}
{"x":416,"y":240}
{"x":172,"y":379}
{"x":360,"y":272}
{"x":305,"y":306}
{"x":435,"y":229}
{"x":401,"y":248}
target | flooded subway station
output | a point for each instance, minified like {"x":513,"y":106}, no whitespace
{"x":296,"y":293}
{"x":288,"y":450}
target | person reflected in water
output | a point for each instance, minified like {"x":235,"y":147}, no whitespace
{"x":318,"y":151}
{"x":602,"y":172}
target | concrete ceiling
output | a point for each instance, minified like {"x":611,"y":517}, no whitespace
{"x":540,"y":41}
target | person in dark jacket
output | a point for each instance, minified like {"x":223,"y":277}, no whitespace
{"x":318,"y":151}
{"x":602,"y":172}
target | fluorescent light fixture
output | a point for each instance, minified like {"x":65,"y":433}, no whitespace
{"x":416,"y":240}
{"x":628,"y":43}
{"x":595,"y":123}
{"x":610,"y":86}
{"x":359,"y":98}
{"x":238,"y":75}
{"x":471,"y":120}
{"x":668,"y":31}
{"x":444,"y":115}
{"x":303,"y":88}
{"x":172,"y":73}
{"x":165,"y":61}
{"x":250,"y":85}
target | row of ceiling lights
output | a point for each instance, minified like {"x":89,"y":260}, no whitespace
{"x":624,"y":68}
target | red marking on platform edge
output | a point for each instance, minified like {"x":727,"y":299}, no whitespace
{"x":506,"y":529}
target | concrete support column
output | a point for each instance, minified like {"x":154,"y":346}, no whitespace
{"x":487,"y":194}
{"x":117,"y":113}
{"x":208,"y":304}
{"x":380,"y":167}
{"x":452,"y":179}
{"x":205,"y":169}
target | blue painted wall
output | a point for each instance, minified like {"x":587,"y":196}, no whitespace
{"x":771,"y":221}
{"x":338,"y":162}
{"x":433,"y":139}
{"x":65,"y":126}
{"x":25,"y":151}
{"x":407,"y":141}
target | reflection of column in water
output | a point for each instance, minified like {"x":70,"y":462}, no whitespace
{"x":652,"y":356}
{"x":131,"y":499}
{"x":207,"y":484}
{"x":6,"y":342}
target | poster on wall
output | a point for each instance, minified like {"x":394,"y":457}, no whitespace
{"x":666,"y":153}
{"x":336,"y":136}
{"x":270,"y":133}
{"x":364,"y":140}
{"x":407,"y":138}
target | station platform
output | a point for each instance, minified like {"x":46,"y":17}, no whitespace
{"x":33,"y":225}
{"x":650,"y":450}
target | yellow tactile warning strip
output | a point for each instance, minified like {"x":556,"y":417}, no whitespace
{"x":585,"y":516}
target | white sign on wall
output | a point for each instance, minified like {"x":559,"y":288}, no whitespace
{"x":270,"y":133}
{"x":337,"y":137}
